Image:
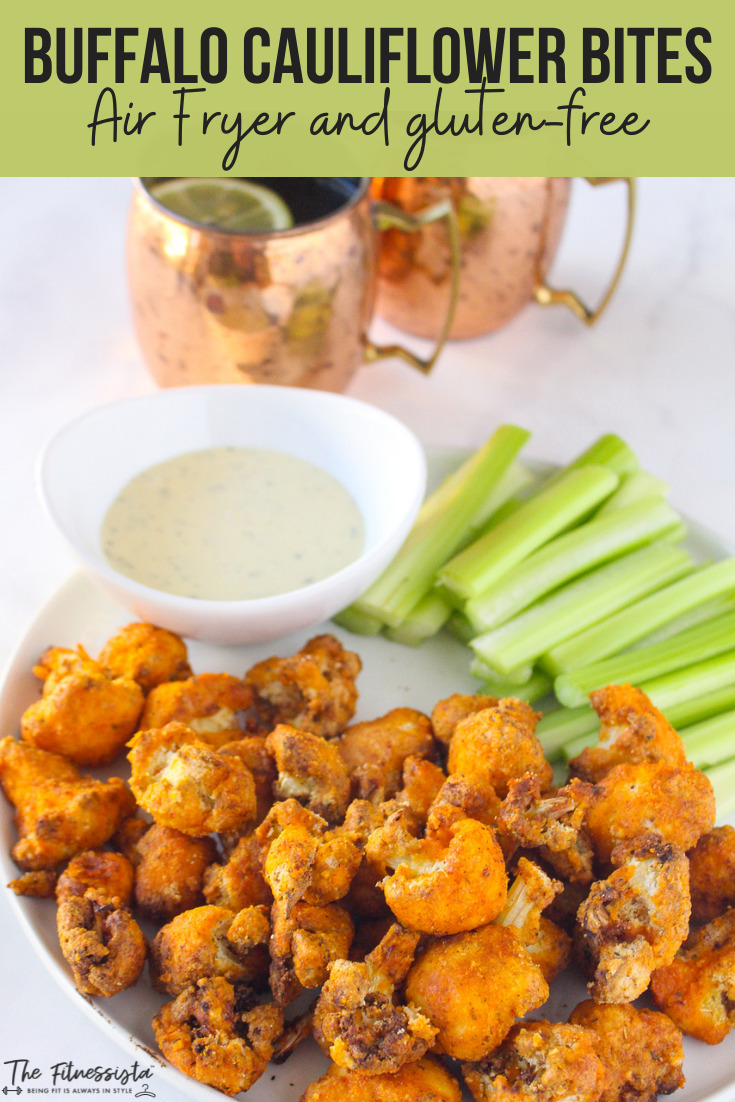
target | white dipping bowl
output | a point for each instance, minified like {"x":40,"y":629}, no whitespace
{"x":373,"y":455}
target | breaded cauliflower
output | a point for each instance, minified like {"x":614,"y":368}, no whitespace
{"x":311,"y":770}
{"x":426,"y":1080}
{"x":101,"y":941}
{"x":313,"y":690}
{"x":473,"y":986}
{"x":635,"y":921}
{"x":169,"y":872}
{"x":111,"y":876}
{"x":422,"y":781}
{"x":374,"y":751}
{"x":218,"y":706}
{"x":311,"y":863}
{"x":641,"y":1050}
{"x":84,"y":715}
{"x":213,"y":1036}
{"x":497,"y":745}
{"x":697,"y":988}
{"x":358,"y":1021}
{"x":475,"y":796}
{"x":185,"y":784}
{"x":712,"y":874}
{"x":253,"y":751}
{"x":210,"y":941}
{"x":451,"y":711}
{"x":59,"y":811}
{"x":675,"y":800}
{"x":304,"y":944}
{"x":40,"y":884}
{"x":540,"y":1061}
{"x":239,"y":882}
{"x":550,"y":822}
{"x":631,"y":730}
{"x":147,"y":654}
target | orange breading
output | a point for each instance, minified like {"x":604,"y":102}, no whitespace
{"x":304,"y":945}
{"x":712,"y":874}
{"x":631,"y":730}
{"x":311,"y":770}
{"x":218,"y":706}
{"x":169,"y":872}
{"x":210,"y":941}
{"x":472,"y":987}
{"x":550,"y":822}
{"x":697,"y":989}
{"x":540,"y":1062}
{"x":634,"y":921}
{"x":37,"y":885}
{"x":551,"y":950}
{"x":374,"y":751}
{"x":239,"y":882}
{"x":641,"y":1050}
{"x":497,"y":745}
{"x":313,"y":690}
{"x":185,"y":784}
{"x":110,"y":874}
{"x":84,"y":715}
{"x":206,"y":1035}
{"x":426,"y":1080}
{"x":101,"y":941}
{"x":147,"y":654}
{"x":253,"y":751}
{"x":448,"y":713}
{"x":59,"y":811}
{"x":58,"y":662}
{"x":676,"y":801}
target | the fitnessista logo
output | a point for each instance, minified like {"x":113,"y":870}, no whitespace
{"x":66,"y":1077}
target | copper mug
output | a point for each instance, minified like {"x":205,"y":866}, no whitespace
{"x":509,"y":227}
{"x":288,"y":307}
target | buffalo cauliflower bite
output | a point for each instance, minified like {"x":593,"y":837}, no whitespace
{"x":529,"y":894}
{"x":552,"y":823}
{"x":253,"y":751}
{"x":551,"y":949}
{"x":422,"y":891}
{"x":218,"y":706}
{"x":631,"y":730}
{"x":635,"y":921}
{"x":212,"y":1035}
{"x":58,"y":662}
{"x":239,"y":882}
{"x":185,"y":784}
{"x":311,"y":770}
{"x":84,"y":715}
{"x":451,"y":711}
{"x":358,"y":1021}
{"x":540,"y":1061}
{"x":641,"y":1050}
{"x":309,"y":863}
{"x":497,"y":745}
{"x":110,"y":874}
{"x":475,"y":797}
{"x":40,"y":884}
{"x":304,"y":943}
{"x":169,"y":872}
{"x":210,"y":941}
{"x":675,"y":801}
{"x":375,"y":750}
{"x":712,"y":874}
{"x":101,"y":941}
{"x":313,"y":690}
{"x":472,"y":987}
{"x":697,"y":989}
{"x":422,"y":782}
{"x":147,"y":654}
{"x":425,"y":1080}
{"x":59,"y":811}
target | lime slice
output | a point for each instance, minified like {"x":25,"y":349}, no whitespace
{"x":226,"y":204}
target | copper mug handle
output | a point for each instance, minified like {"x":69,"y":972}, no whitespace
{"x":388,"y":216}
{"x":546,"y":295}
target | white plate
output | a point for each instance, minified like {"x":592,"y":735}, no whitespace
{"x":392,"y":676}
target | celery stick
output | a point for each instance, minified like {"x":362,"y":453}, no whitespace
{"x":427,"y":618}
{"x":609,"y":451}
{"x":581,"y":603}
{"x":698,"y":708}
{"x":559,"y":729}
{"x":359,"y":623}
{"x":708,"y":610}
{"x":439,"y":531}
{"x":636,"y":487}
{"x":711,"y":741}
{"x":627,"y":626}
{"x":634,"y":666}
{"x":722,"y":779}
{"x":460,"y":627}
{"x":567,"y":556}
{"x":542,"y":517}
{"x":537,"y":686}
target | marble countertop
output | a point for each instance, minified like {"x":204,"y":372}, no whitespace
{"x":659,"y":369}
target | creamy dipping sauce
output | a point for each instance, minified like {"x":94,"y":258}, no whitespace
{"x":229,"y":524}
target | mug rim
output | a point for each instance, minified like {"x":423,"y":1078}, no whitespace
{"x":142,"y":186}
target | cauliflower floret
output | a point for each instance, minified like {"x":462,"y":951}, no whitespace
{"x":311,"y":770}
{"x":375,"y":751}
{"x":313,"y":690}
{"x":357,"y":1020}
{"x":426,"y":1080}
{"x":304,"y":945}
{"x":697,"y":989}
{"x":59,"y":811}
{"x":218,"y":706}
{"x":634,"y":921}
{"x":185,"y":784}
{"x":110,"y":874}
{"x":210,"y":941}
{"x":213,"y":1036}
{"x":146,"y":654}
{"x":641,"y":1050}
{"x":543,"y":1062}
{"x":169,"y":872}
{"x":551,"y":822}
{"x":253,"y":751}
{"x":101,"y":941}
{"x":239,"y":882}
{"x":448,"y":713}
{"x":497,"y":745}
{"x":712,"y":874}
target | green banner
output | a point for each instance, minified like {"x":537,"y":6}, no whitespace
{"x":572,"y":88}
